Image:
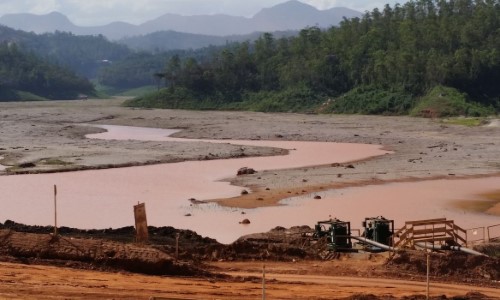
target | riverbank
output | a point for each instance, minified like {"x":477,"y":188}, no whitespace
{"x":47,"y":137}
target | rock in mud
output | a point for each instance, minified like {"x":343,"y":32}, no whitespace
{"x":245,"y":171}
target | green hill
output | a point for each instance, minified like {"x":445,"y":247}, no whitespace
{"x":381,"y":63}
{"x":24,"y":76}
{"x":85,"y":55}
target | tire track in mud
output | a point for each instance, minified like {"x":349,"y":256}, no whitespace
{"x":397,"y":287}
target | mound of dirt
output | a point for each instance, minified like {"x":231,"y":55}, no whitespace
{"x":116,"y":249}
{"x":455,"y":265}
{"x":158,"y":236}
{"x":278,"y":244}
{"x":99,"y":253}
{"x":491,"y":249}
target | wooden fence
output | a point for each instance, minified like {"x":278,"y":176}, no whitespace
{"x":435,"y":231}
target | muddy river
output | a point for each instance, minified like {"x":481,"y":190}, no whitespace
{"x":104,"y":198}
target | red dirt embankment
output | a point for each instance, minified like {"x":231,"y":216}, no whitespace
{"x":294,"y":266}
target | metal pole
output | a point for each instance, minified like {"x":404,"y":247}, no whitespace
{"x":428,"y":271}
{"x":55,"y":210}
{"x":264,"y":282}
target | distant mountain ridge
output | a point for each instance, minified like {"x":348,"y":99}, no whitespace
{"x":291,"y":15}
{"x":172,"y":40}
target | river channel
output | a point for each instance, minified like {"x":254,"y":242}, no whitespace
{"x":104,"y":198}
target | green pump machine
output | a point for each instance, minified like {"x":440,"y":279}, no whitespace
{"x":336,"y":232}
{"x":378,"y":229}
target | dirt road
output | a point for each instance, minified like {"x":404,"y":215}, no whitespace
{"x":347,"y":286}
{"x":18,"y":281}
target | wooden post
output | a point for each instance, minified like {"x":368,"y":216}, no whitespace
{"x":141,"y":223}
{"x":264,"y":282}
{"x":428,"y":271}
{"x":55,"y":210}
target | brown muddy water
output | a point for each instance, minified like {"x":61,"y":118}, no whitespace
{"x":104,"y":198}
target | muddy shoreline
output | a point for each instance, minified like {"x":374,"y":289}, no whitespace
{"x":38,"y":137}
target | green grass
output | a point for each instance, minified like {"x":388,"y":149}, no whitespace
{"x":15,"y":95}
{"x":55,"y":162}
{"x":167,"y":98}
{"x":370,"y":100}
{"x":298,"y":99}
{"x":138,"y":91}
{"x":26,"y":96}
{"x":439,"y":102}
{"x":104,"y":91}
{"x":442,"y":101}
{"x":469,"y":122}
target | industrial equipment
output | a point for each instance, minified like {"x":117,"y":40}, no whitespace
{"x":379,"y":230}
{"x":336,"y":232}
{"x":379,"y":235}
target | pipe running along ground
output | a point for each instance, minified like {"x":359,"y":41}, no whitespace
{"x":446,"y":247}
{"x":373,"y":243}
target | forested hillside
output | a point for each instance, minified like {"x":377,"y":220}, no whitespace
{"x":138,"y":69}
{"x":24,"y":76}
{"x":172,"y":40}
{"x":446,"y":52}
{"x":85,"y":55}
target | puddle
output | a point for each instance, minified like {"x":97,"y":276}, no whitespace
{"x":104,"y":198}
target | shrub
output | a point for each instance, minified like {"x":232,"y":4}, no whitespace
{"x":165,"y":98}
{"x":442,"y":101}
{"x":296,"y":99}
{"x":370,"y":100}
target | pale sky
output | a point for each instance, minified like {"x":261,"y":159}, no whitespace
{"x":101,"y":12}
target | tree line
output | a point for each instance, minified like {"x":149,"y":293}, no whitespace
{"x":25,"y":72}
{"x":85,"y":55}
{"x":55,"y":65}
{"x":386,"y":60}
{"x":393,"y":60}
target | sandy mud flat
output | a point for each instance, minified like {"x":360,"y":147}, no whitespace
{"x":47,"y":136}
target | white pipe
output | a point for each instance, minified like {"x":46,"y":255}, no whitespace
{"x":371,"y":242}
{"x":454,"y":248}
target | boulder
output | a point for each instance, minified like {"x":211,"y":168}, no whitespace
{"x":245,"y":170}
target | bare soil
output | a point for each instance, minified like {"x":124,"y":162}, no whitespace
{"x":49,"y":136}
{"x":107,"y":264}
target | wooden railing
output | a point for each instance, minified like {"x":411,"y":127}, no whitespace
{"x":435,"y":231}
{"x":493,"y":233}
